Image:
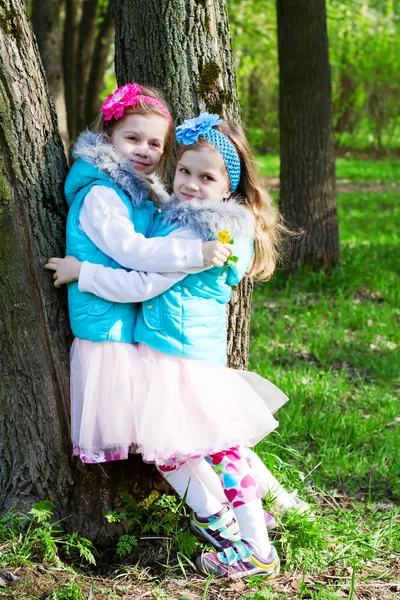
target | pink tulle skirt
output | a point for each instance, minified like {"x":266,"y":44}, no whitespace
{"x":130,"y":398}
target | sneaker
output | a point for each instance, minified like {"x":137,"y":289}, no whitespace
{"x":270,"y":521}
{"x":220,"y":530}
{"x":223,"y":527}
{"x":302,"y":506}
{"x":237,"y":561}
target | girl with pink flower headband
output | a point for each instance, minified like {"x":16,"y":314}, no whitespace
{"x":145,"y":369}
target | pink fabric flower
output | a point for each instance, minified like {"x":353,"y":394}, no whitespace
{"x":115,"y":104}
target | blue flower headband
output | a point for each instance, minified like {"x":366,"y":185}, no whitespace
{"x":191,"y":129}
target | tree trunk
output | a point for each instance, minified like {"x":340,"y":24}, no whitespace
{"x":87,"y":28}
{"x":46,"y":23}
{"x":307,"y":197}
{"x":35,"y":449}
{"x":184,"y":49}
{"x":102,"y":46}
{"x":72,"y":8}
{"x":34,"y":354}
{"x":345,"y":107}
{"x":239,"y":324}
{"x":181,"y":47}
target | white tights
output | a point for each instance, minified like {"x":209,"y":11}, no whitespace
{"x":201,"y":487}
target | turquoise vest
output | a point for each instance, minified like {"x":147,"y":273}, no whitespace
{"x":189,"y":319}
{"x":93,"y":318}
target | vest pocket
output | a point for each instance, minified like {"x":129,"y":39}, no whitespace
{"x":152,"y":314}
{"x":99,"y":306}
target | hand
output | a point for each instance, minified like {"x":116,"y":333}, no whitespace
{"x":65,"y":269}
{"x":215,"y":253}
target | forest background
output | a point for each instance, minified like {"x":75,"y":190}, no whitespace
{"x":365,"y":61}
{"x":363,"y":52}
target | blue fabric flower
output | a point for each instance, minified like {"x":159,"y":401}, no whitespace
{"x":191,"y":129}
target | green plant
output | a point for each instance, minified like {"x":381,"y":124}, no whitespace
{"x":302,"y":543}
{"x":162,"y":516}
{"x":69,"y":591}
{"x":33,"y":536}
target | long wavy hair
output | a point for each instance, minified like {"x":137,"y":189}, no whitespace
{"x":269,"y":228}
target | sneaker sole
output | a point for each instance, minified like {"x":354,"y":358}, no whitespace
{"x":260,"y":572}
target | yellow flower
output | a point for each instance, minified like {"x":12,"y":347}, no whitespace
{"x":224,"y":237}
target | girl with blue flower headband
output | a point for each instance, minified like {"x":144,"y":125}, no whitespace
{"x":186,"y":404}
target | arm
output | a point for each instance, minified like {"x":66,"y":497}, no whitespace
{"x":105,"y":220}
{"x":116,"y":285}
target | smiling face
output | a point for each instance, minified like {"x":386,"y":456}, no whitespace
{"x":201,"y":174}
{"x":141,"y":138}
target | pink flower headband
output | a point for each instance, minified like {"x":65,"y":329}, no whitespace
{"x":128,"y":96}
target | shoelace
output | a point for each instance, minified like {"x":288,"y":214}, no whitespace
{"x":225,"y":525}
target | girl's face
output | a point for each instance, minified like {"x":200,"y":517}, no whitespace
{"x":201,"y":175}
{"x":141,"y":138}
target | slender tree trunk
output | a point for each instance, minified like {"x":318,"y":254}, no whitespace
{"x":346,"y":102}
{"x":306,"y":130}
{"x":72,"y":9}
{"x":86,"y":34}
{"x":184,"y":49}
{"x":46,"y":23}
{"x":101,"y":50}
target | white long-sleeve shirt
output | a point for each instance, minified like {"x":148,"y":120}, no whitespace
{"x":118,"y":285}
{"x":105,"y":220}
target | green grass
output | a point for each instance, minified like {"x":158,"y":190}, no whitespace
{"x":351,"y":169}
{"x":332,"y":344}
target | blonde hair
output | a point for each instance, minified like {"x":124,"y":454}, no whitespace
{"x":141,"y":108}
{"x":269,"y":228}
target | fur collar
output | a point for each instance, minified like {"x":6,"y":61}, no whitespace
{"x":208,"y":218}
{"x":94,"y":149}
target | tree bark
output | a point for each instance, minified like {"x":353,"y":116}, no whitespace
{"x":72,"y":8}
{"x":184,"y":49}
{"x":181,"y":47}
{"x":34,"y":355}
{"x":46,"y":23}
{"x":35,"y":449}
{"x":84,"y":55}
{"x":307,"y":196}
{"x":95,"y":83}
